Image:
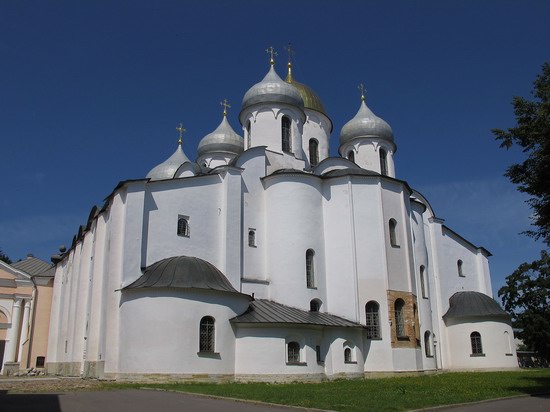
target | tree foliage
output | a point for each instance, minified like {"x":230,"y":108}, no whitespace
{"x":532,"y":134}
{"x":526,"y":297}
{"x":4,"y":257}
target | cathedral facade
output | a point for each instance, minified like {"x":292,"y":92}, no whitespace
{"x":267,"y":259}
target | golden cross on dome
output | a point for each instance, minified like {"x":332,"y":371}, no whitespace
{"x":181,"y":130}
{"x":290,"y":52}
{"x":362,"y":90}
{"x":225,"y":106}
{"x":273,"y":53}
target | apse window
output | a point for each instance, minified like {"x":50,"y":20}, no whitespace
{"x":310,"y":269}
{"x":477,"y":347}
{"x":393,"y":232}
{"x":183,"y":226}
{"x":206,"y":334}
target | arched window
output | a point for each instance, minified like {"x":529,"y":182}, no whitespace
{"x":507,"y":343}
{"x":400,"y":318}
{"x":286,"y":135}
{"x":372,"y":310}
{"x":351,"y":156}
{"x":423,"y":285}
{"x":252,"y":237}
{"x":206,"y":334}
{"x":293,"y":352}
{"x":314,"y":305}
{"x":383,"y":162}
{"x":427,"y":344}
{"x":475,"y":340}
{"x":183,"y":226}
{"x":310,"y":270}
{"x":393,"y":232}
{"x":318,"y":353}
{"x":459,"y":268}
{"x":313,"y":152}
{"x":347,"y":355}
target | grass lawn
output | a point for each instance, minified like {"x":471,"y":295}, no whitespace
{"x":387,"y":394}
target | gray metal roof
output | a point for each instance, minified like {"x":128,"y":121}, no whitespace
{"x":473,"y":304}
{"x":31,"y":265}
{"x":183,"y":272}
{"x":365,"y":124}
{"x":168,"y":168}
{"x":223,"y":139}
{"x":267,"y":311}
{"x":272,"y":89}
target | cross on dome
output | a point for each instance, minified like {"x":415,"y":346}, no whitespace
{"x":290,"y":52}
{"x":273,"y":53}
{"x":225,"y":106}
{"x":181,"y":130}
{"x":362,"y":90}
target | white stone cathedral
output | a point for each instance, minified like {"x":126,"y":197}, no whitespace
{"x":266,"y":259}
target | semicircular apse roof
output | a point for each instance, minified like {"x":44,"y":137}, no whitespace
{"x":183,"y":272}
{"x":473,"y":304}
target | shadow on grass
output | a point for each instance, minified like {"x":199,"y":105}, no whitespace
{"x":28,"y":402}
{"x":540,"y":385}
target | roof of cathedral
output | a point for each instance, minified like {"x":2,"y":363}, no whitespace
{"x":365,"y":124}
{"x":223,"y":139}
{"x":272,"y":89}
{"x":267,"y":311}
{"x":32,"y":266}
{"x":310,"y":98}
{"x":184,"y":272}
{"x":473,"y":304}
{"x":168,"y":168}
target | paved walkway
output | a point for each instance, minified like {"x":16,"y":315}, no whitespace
{"x":524,"y":403}
{"x":127,"y":400}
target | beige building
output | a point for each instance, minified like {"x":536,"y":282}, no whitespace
{"x":25,"y":301}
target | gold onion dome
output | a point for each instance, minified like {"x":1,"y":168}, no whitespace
{"x":311,"y":99}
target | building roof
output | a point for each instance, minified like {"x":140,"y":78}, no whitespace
{"x":473,"y":304}
{"x":168,"y":168}
{"x":184,"y":272}
{"x":267,"y":311}
{"x":310,"y":98}
{"x":223,"y":139}
{"x":366,"y":124}
{"x":32,"y":266}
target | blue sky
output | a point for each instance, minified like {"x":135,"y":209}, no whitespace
{"x":91,"y":93}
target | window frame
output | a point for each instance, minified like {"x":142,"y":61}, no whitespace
{"x":400,"y":331}
{"x":183,"y":227}
{"x":310,"y":269}
{"x":286,"y":134}
{"x":476,"y":344}
{"x":252,"y":237}
{"x":383,"y":155}
{"x":293,"y":355}
{"x":372,"y":320}
{"x":207,"y":335}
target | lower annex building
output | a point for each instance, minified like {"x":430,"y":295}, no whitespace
{"x":266,"y":259}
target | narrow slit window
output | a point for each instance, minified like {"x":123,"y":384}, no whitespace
{"x":252,"y":237}
{"x":393,"y":232}
{"x":400,"y":318}
{"x":383,"y":162}
{"x":313,"y":152}
{"x":423,"y":285}
{"x":459,"y":268}
{"x":351,"y":156}
{"x":286,"y":134}
{"x":310,"y":269}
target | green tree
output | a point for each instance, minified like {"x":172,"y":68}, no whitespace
{"x":4,"y":257}
{"x":526,"y":297}
{"x":532,"y":134}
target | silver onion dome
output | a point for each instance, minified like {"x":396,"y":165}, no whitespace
{"x":272,"y":89}
{"x":168,"y":168}
{"x":223,"y":139}
{"x":365,"y":124}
